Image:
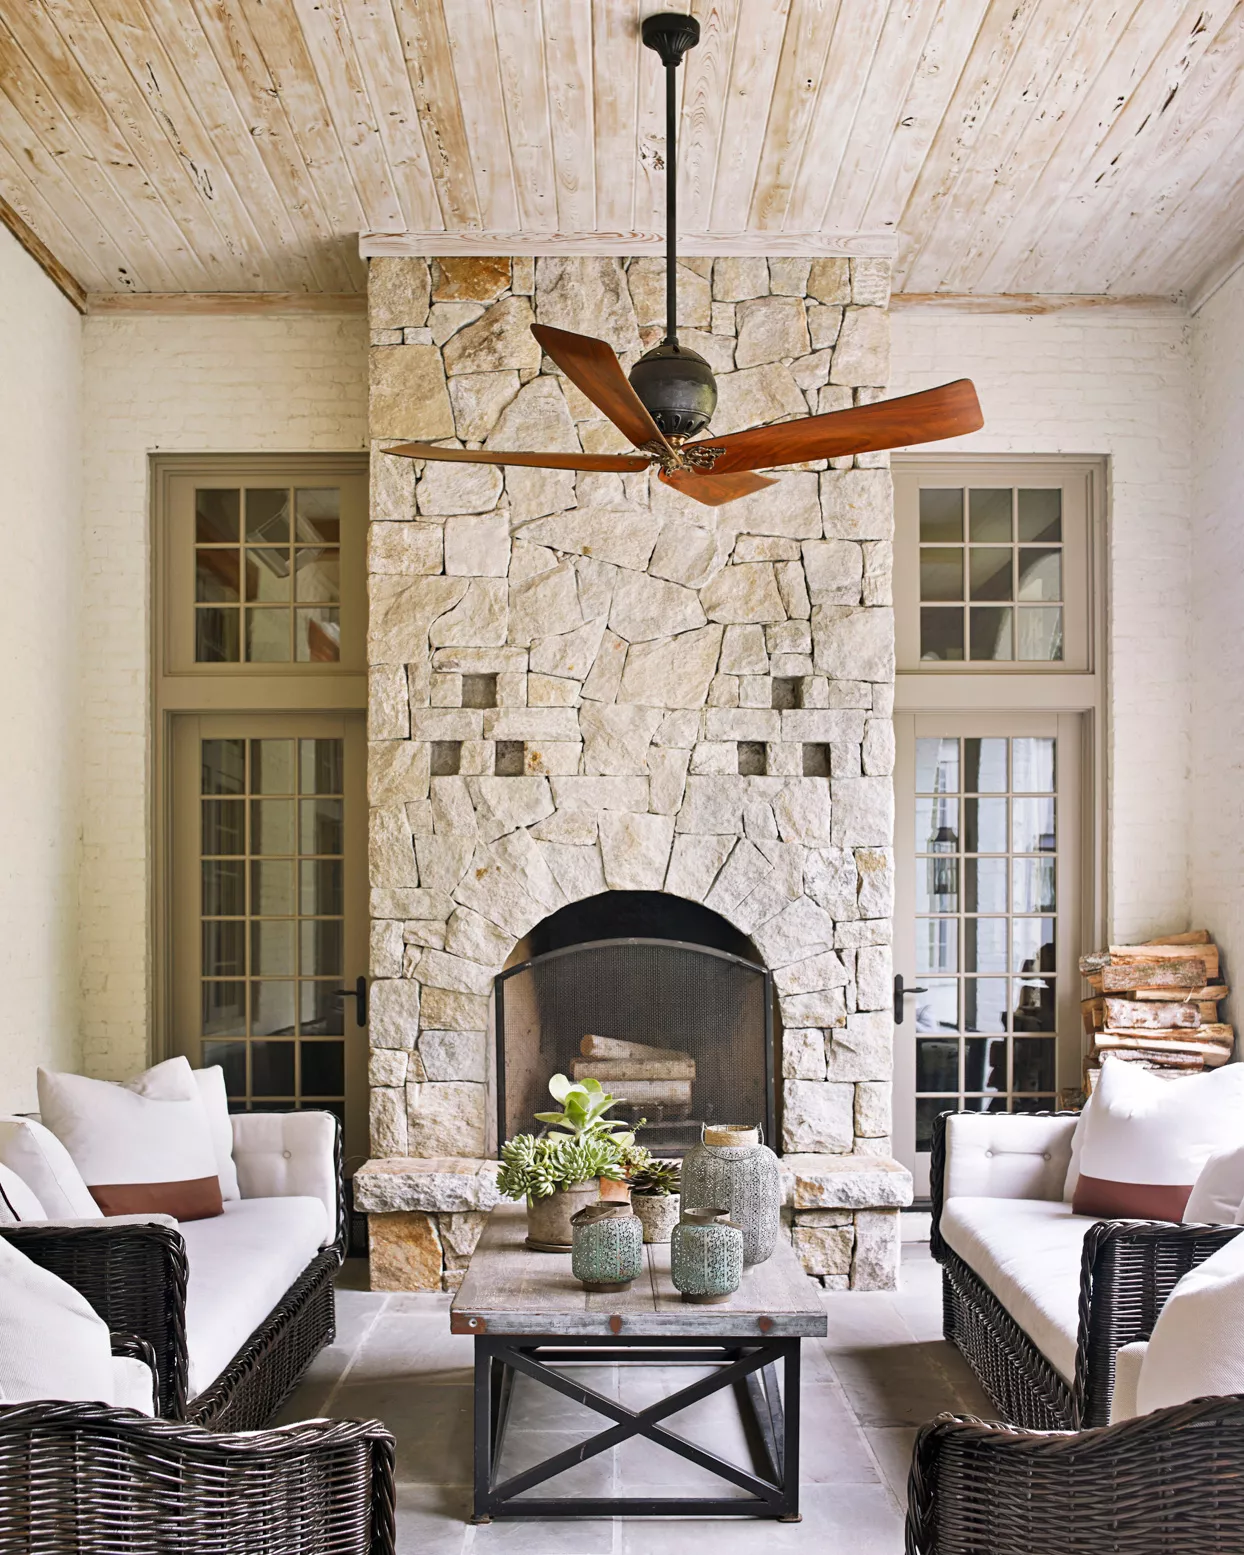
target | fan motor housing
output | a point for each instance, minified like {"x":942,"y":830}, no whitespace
{"x":677,"y":389}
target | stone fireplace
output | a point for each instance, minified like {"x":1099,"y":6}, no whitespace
{"x":591,"y":684}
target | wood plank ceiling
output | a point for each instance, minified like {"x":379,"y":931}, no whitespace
{"x":1025,"y":146}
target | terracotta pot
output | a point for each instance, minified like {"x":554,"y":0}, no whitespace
{"x":613,"y":1192}
{"x":658,"y":1214}
{"x":548,"y":1219}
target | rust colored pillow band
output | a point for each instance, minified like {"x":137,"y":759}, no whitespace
{"x":198,"y":1198}
{"x":1107,"y":1200}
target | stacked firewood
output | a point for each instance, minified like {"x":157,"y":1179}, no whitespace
{"x":655,"y":1079}
{"x":1156,"y":1004}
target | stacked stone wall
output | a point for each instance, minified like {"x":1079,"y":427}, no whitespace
{"x":583,"y":683}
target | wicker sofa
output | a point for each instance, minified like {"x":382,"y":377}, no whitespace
{"x":99,"y":1481}
{"x":236,"y":1307}
{"x":1040,"y":1301}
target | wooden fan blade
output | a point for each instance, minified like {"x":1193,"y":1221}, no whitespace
{"x":503,"y":456}
{"x":713,"y":490}
{"x":593,"y":366}
{"x":926,"y":417}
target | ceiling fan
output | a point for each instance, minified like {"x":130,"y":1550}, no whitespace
{"x":671,"y":393}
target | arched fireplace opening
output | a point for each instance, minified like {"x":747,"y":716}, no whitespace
{"x":661,"y":999}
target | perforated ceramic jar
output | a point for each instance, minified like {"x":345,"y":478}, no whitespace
{"x":706,"y":1256}
{"x":731,"y":1167}
{"x":608,"y":1248}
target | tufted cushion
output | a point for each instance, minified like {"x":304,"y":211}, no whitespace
{"x":1006,"y":1158}
{"x":1196,"y":1349}
{"x":280,"y":1153}
{"x":1027,"y":1251}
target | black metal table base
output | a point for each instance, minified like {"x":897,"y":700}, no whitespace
{"x":770,"y":1417}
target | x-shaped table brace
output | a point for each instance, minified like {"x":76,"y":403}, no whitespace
{"x":749,"y":1367}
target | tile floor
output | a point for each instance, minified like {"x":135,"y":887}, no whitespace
{"x":882,"y":1371}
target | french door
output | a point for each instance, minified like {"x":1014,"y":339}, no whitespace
{"x":988,"y":904}
{"x":269,"y":908}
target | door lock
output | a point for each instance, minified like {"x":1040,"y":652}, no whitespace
{"x":901,"y":993}
{"x":359,"y":994}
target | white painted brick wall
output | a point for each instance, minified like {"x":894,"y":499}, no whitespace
{"x":1117,"y":383}
{"x":1217,"y":786}
{"x":168,"y":384}
{"x":40,"y":427}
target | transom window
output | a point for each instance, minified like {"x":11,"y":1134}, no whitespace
{"x":991,"y":574}
{"x":986,"y":920}
{"x":267,"y":575}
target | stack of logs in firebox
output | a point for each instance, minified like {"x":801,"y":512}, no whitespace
{"x":1156,"y":1004}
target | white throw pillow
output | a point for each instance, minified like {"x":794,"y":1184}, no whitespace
{"x":211,"y":1084}
{"x":140,"y":1147}
{"x":1216,"y":1196}
{"x":47,"y":1169}
{"x":1197,"y":1346}
{"x":1146,"y":1139}
{"x":1077,"y":1145}
{"x":17,"y":1202}
{"x":53,"y":1344}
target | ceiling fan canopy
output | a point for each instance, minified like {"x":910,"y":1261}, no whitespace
{"x":671,"y":393}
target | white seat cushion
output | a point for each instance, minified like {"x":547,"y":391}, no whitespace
{"x":1027,"y":1251}
{"x":1127,"y":1364}
{"x":53,"y":1344}
{"x":133,"y":1386}
{"x":241,"y":1263}
{"x":1196,"y":1349}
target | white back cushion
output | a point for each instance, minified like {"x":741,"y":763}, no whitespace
{"x":212,"y":1093}
{"x":142,"y":1146}
{"x":285,"y":1154}
{"x":1197,"y":1346}
{"x":17,"y":1201}
{"x":47,"y":1169}
{"x":1007,"y":1158}
{"x":53,"y":1344}
{"x":1216,"y":1195}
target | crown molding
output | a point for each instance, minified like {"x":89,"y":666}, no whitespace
{"x":1035,"y":302}
{"x":419,"y":245}
{"x":216,"y":303}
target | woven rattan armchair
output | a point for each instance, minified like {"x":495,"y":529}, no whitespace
{"x":1168,"y":1483}
{"x":1128,"y":1270}
{"x":83,"y":1479}
{"x":134,"y":1275}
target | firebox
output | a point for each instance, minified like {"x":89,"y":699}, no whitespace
{"x":681,"y":1032}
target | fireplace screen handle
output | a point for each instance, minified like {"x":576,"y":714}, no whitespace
{"x":901,"y":993}
{"x":359,"y":994}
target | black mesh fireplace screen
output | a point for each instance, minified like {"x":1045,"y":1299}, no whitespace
{"x":714,"y":1008}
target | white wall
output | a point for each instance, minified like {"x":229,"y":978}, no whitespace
{"x":168,"y":384}
{"x":1114,"y":382}
{"x":1218,"y":623}
{"x":40,"y":438}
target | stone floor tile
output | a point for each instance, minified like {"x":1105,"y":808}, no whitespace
{"x":837,"y":1520}
{"x":892,"y":1447}
{"x":417,"y":1345}
{"x":432,"y":1520}
{"x":569,"y":1536}
{"x":534,"y":1404}
{"x":524,"y":1449}
{"x":433,"y":1426}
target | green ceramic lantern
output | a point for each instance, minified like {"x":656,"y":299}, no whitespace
{"x":608,"y":1247}
{"x":706,"y":1255}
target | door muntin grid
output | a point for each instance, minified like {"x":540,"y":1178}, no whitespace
{"x":272,"y":919}
{"x":991,"y":574}
{"x":267,"y":563}
{"x":986,"y":903}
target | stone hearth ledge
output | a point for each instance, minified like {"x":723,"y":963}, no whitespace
{"x":425,"y":1215}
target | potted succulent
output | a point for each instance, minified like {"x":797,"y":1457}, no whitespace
{"x":655,"y":1198}
{"x":581,"y":1156}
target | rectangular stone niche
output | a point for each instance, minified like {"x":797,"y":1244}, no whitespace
{"x":590,"y":682}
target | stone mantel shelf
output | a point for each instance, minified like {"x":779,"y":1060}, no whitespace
{"x":459,"y":1184}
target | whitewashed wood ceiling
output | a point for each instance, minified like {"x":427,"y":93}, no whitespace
{"x":242,"y":145}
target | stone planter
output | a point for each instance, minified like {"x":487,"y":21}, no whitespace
{"x":658,"y":1214}
{"x":548,"y":1219}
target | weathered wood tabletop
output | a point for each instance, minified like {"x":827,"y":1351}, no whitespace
{"x":509,"y":1289}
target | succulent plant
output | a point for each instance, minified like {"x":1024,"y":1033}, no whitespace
{"x":657,"y":1179}
{"x":584,"y":1104}
{"x":532,"y":1167}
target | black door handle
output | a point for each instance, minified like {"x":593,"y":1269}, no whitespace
{"x":359,"y":994}
{"x":901,"y":993}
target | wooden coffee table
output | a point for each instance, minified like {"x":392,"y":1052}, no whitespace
{"x":527,"y":1313}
